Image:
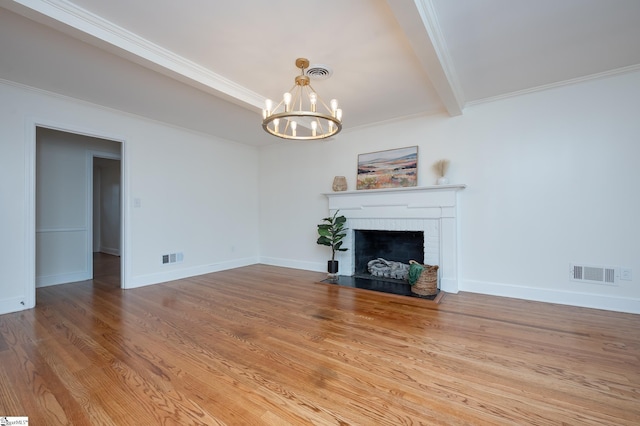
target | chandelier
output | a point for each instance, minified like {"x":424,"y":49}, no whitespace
{"x":297,"y":117}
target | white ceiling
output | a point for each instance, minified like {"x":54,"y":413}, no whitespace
{"x":208,"y":65}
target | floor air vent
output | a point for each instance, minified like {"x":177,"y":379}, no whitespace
{"x":594,"y":274}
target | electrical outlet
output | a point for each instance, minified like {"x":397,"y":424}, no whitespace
{"x":625,"y":274}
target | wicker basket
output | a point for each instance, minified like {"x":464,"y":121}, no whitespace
{"x":427,"y":283}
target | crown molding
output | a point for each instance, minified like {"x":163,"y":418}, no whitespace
{"x":146,"y":53}
{"x":570,"y":82}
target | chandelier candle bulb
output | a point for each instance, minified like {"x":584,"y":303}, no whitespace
{"x":276,"y":122}
{"x":268,"y":106}
{"x":287,"y":101}
{"x":313,"y":98}
{"x":314,"y":128}
{"x":339,"y":114}
{"x":294,"y":125}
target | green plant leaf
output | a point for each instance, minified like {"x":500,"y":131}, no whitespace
{"x":332,"y":232}
{"x":324,"y":232}
{"x":324,"y":241}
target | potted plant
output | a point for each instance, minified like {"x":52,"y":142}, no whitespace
{"x":332,"y":232}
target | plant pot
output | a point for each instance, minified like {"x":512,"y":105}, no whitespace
{"x":332,"y":270}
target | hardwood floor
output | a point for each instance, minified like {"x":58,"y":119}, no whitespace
{"x":269,"y":345}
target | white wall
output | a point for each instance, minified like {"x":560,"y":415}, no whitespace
{"x":63,"y":170}
{"x":198,"y":194}
{"x":552,"y":179}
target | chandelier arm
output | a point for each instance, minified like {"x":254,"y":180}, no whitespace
{"x":304,"y":95}
{"x":297,"y":98}
{"x":326,"y":107}
{"x":275,"y":108}
{"x":320,"y":126}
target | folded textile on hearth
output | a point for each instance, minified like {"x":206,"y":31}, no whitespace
{"x":388,"y":269}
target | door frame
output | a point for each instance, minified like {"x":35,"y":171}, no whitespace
{"x":30,"y":198}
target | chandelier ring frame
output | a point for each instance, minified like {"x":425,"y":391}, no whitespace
{"x":288,"y":115}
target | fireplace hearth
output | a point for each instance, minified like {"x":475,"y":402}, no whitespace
{"x":384,"y":285}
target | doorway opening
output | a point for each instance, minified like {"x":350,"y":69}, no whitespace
{"x":78,"y":208}
{"x":106,"y":172}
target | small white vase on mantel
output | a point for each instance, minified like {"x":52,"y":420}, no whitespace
{"x":443,"y":180}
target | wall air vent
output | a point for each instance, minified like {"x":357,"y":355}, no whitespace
{"x":172,"y":258}
{"x":606,"y":275}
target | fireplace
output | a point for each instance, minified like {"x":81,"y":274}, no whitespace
{"x":396,"y":246}
{"x":431,"y":211}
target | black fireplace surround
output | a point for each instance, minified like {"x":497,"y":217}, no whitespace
{"x":399,"y":246}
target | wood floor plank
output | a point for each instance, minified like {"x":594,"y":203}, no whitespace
{"x":269,"y":345}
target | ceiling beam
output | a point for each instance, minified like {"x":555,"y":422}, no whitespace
{"x":73,"y":20}
{"x":419,"y":22}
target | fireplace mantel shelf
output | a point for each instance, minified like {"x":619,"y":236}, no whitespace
{"x":451,"y":187}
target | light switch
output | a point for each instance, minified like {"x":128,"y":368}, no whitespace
{"x":625,"y":274}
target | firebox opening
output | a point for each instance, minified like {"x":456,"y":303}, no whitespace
{"x":398,"y":246}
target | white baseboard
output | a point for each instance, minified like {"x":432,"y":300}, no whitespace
{"x":48,"y":280}
{"x":295,"y":264}
{"x":585,"y":300}
{"x":111,"y":251}
{"x":14,"y":304}
{"x":177,"y":274}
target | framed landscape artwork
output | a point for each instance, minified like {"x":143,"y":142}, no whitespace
{"x":393,"y":168}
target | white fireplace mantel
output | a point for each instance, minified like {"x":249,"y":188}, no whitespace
{"x":431,"y":209}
